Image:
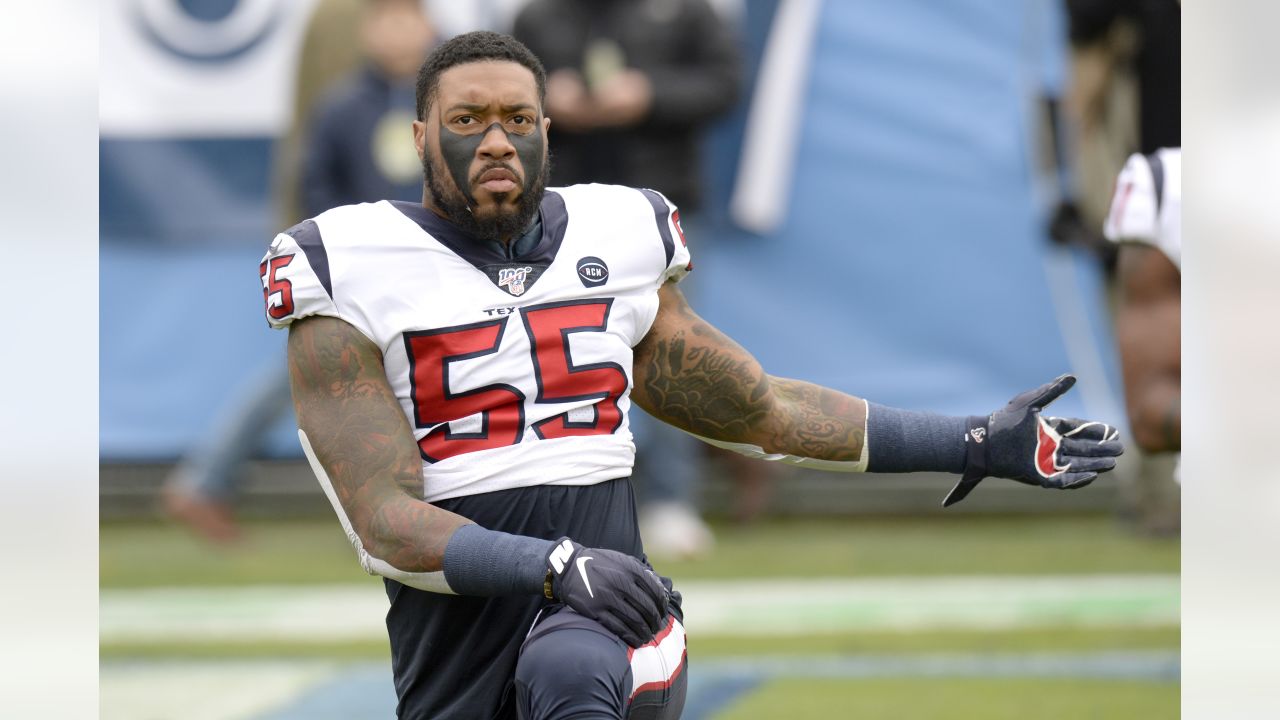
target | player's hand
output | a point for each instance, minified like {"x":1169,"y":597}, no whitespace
{"x":1018,"y":443}
{"x":614,"y":589}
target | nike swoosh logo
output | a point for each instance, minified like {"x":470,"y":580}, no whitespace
{"x":582,"y":570}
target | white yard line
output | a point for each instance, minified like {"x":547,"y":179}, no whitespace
{"x":948,"y":603}
{"x":315,"y":613}
{"x":206,"y":690}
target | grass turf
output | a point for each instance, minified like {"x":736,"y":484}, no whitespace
{"x":316,"y":551}
{"x":957,"y":699}
{"x":703,"y":646}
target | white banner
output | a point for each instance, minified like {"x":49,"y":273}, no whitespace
{"x":181,"y":68}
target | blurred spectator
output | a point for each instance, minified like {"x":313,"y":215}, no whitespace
{"x":356,"y":139}
{"x":632,"y":86}
{"x":1145,"y":220}
{"x":1125,"y":93}
{"x":330,"y":51}
{"x":1125,"y":96}
{"x":358,"y":146}
{"x":1154,"y":56}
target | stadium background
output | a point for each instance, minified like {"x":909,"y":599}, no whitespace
{"x":885,"y":236}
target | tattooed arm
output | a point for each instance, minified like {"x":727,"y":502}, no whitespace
{"x":361,"y":436}
{"x":695,"y":377}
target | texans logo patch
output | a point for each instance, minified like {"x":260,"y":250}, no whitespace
{"x":1047,"y":442}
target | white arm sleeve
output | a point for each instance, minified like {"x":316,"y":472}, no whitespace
{"x":429,"y":581}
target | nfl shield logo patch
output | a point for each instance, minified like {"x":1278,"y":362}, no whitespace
{"x":512,"y":279}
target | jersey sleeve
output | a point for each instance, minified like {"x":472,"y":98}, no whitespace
{"x":1134,"y":214}
{"x":667,"y":217}
{"x":295,"y":277}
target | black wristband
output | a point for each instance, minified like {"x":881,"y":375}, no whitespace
{"x":975,"y":462}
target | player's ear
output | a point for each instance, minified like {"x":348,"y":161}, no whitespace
{"x":546,"y":124}
{"x":420,"y":138}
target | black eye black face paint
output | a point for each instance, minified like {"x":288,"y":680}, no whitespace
{"x":457,"y":155}
{"x":460,"y":150}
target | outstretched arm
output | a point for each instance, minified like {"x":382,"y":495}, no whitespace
{"x":696,"y":378}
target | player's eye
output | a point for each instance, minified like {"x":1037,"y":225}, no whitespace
{"x":522,"y":123}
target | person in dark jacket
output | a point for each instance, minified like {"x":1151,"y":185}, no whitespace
{"x":631,"y":87}
{"x":356,"y":147}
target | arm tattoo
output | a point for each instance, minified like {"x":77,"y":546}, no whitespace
{"x":693,"y":376}
{"x":363,"y":439}
{"x":703,"y":386}
{"x":822,"y":423}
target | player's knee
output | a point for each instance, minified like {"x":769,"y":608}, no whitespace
{"x":571,"y":658}
{"x":572,"y":673}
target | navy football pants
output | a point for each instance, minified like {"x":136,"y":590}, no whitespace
{"x":571,"y":668}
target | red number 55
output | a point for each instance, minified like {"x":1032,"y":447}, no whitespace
{"x":501,"y":406}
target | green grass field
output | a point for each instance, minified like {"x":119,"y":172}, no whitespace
{"x":316,"y":551}
{"x":948,"y":699}
{"x":135,"y":557}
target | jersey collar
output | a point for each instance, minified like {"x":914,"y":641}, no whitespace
{"x":537,"y":246}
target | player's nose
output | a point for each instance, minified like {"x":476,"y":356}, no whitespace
{"x":496,"y":145}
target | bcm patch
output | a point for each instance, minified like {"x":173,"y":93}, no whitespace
{"x":592,"y":271}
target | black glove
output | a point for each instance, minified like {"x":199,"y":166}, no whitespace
{"x":1017,"y":443}
{"x":614,"y":589}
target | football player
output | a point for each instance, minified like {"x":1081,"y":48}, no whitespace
{"x":1146,"y":220}
{"x":462,"y":370}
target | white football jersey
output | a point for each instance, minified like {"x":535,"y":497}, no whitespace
{"x":1147,"y":206}
{"x":512,"y":372}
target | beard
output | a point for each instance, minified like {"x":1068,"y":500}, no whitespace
{"x":507,"y":222}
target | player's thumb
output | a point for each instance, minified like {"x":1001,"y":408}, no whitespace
{"x":1052,"y":390}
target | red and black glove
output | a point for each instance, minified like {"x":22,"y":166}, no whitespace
{"x":1018,"y":443}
